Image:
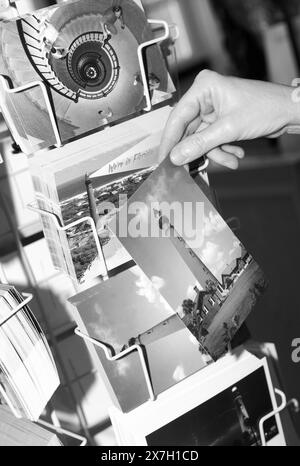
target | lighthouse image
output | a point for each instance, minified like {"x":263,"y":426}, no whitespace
{"x":249,"y":433}
{"x":209,"y":293}
{"x":199,"y":269}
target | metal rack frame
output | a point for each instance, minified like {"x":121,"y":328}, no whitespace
{"x":27,"y":299}
{"x":122,"y":355}
{"x":277,"y":410}
{"x":140,"y":51}
{"x":65,"y":228}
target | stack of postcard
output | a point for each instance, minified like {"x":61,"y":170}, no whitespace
{"x":28,"y":375}
{"x":84,"y":53}
{"x":192,"y":288}
{"x":92,"y":177}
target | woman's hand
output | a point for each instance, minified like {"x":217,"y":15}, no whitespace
{"x":219,"y":110}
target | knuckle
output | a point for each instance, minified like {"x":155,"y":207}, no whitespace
{"x":173,"y":122}
{"x":228,"y":128}
{"x":199,"y":141}
{"x":206,"y":74}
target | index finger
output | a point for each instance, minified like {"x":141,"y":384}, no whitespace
{"x":187,"y":110}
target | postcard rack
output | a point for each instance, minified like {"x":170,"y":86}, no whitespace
{"x":55,"y":426}
{"x":83,"y":441}
{"x":5,"y":85}
{"x":136,"y":348}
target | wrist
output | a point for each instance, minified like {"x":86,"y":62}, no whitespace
{"x":293,"y":123}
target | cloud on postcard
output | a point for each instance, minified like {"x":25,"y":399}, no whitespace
{"x":191,"y":294}
{"x":123,"y":367}
{"x":99,"y":328}
{"x":102,"y":332}
{"x":213,"y":223}
{"x":213,"y":257}
{"x":179,"y":374}
{"x":236,"y":248}
{"x":159,"y":188}
{"x":150,"y":289}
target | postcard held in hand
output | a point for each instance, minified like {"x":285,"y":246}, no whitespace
{"x":172,"y":231}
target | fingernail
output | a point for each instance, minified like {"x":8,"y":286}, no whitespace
{"x":232,"y":164}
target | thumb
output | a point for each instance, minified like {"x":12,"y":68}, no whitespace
{"x":202,"y":142}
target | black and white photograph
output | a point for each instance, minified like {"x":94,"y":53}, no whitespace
{"x":149,"y":226}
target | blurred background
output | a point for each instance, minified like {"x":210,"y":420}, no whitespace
{"x":256,"y":39}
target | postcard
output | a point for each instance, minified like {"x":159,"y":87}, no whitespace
{"x":230,"y":418}
{"x":84,"y":52}
{"x":143,"y":155}
{"x":129,"y":310}
{"x":174,"y":232}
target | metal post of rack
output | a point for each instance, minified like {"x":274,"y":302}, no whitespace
{"x":273,"y":413}
{"x":122,"y":355}
{"x":140,"y":52}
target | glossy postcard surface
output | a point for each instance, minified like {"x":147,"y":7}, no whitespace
{"x":172,"y":231}
{"x":128,"y":310}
